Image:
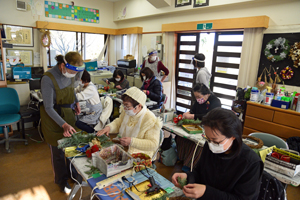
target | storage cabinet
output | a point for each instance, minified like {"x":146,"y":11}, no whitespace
{"x":267,"y":119}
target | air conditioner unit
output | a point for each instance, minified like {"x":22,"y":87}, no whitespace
{"x":21,"y":5}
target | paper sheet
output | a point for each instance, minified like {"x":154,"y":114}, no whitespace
{"x":36,"y":59}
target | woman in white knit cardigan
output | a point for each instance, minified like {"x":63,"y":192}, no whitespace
{"x":138,"y":127}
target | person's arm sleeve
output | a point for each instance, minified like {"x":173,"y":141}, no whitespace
{"x":156,"y":93}
{"x":77,"y":89}
{"x":201,"y":77}
{"x":193,"y":109}
{"x":48,"y":90}
{"x":246,"y":188}
{"x":143,"y":64}
{"x":86,"y":94}
{"x":125,"y":84}
{"x":116,"y":124}
{"x":214,"y":104}
{"x":161,"y":67}
{"x":112,"y":79}
{"x":150,"y":140}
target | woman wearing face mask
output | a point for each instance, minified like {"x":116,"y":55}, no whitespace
{"x":206,"y":101}
{"x":155,"y":65}
{"x":228,"y":169}
{"x":138,"y":127}
{"x":57,"y":116}
{"x":151,"y":87}
{"x":119,"y":80}
{"x":87,"y":91}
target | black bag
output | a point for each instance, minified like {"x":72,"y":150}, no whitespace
{"x":271,"y":188}
{"x":294,"y":143}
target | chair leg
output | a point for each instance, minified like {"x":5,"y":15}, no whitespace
{"x":10,"y":139}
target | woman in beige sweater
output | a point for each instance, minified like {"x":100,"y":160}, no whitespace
{"x":138,"y":127}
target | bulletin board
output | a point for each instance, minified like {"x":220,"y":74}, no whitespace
{"x":290,"y":39}
{"x":69,"y":12}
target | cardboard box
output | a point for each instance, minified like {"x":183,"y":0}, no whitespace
{"x":112,"y":160}
{"x":281,"y":166}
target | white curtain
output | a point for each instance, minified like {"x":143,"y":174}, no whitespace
{"x":170,"y":63}
{"x":250,"y":56}
{"x":103,"y":50}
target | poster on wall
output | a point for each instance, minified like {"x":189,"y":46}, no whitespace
{"x":70,"y":12}
{"x":19,"y":35}
{"x":179,"y":3}
{"x":25,"y":55}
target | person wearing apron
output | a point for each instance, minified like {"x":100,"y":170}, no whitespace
{"x":87,"y":92}
{"x":155,"y":65}
{"x":57,"y":114}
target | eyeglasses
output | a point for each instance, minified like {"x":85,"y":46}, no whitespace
{"x":208,"y":140}
{"x":127,"y":107}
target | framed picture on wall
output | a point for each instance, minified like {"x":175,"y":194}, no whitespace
{"x":179,"y":3}
{"x":19,"y":35}
{"x":26,"y":55}
{"x":199,"y":3}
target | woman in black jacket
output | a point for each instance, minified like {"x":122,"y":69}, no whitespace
{"x":152,"y":87}
{"x":228,"y":169}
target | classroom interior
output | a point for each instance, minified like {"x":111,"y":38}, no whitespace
{"x":131,"y":27}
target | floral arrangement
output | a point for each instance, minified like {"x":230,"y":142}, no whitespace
{"x":177,"y":119}
{"x":180,"y":121}
{"x":287,"y":73}
{"x":279,"y":42}
{"x":295,"y":54}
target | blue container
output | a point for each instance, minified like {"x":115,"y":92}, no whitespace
{"x":21,"y":72}
{"x":91,"y":66}
{"x":280,"y":104}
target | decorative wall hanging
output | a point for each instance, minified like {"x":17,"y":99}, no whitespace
{"x":71,"y":12}
{"x":19,"y":35}
{"x":45,"y":38}
{"x":179,"y":3}
{"x":199,"y":3}
{"x":280,"y":44}
{"x":295,"y":54}
{"x":287,"y":73}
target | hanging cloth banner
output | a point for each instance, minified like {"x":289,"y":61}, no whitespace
{"x":70,"y":12}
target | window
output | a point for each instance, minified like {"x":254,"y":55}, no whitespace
{"x":222,"y":52}
{"x":87,"y":44}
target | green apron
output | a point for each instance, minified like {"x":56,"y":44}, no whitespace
{"x":64,"y":98}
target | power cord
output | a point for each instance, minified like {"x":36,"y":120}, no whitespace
{"x":74,"y":178}
{"x":39,"y":130}
{"x":192,"y":163}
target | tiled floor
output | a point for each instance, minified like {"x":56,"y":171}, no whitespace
{"x":26,"y":173}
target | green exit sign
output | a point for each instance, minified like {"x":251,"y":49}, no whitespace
{"x":204,"y":26}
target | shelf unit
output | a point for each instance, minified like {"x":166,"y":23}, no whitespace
{"x":3,"y":83}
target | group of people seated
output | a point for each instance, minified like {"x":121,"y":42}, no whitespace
{"x":225,"y":168}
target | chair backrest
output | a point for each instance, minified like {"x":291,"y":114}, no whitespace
{"x":107,"y":105}
{"x":9,"y":102}
{"x":270,"y":140}
{"x":161,"y":139}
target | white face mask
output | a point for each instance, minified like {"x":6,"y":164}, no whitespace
{"x":68,"y":75}
{"x":81,"y":84}
{"x":218,"y":148}
{"x":117,"y":79}
{"x":153,"y":58}
{"x":130,"y":112}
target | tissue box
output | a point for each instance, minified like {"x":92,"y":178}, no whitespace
{"x":91,"y":66}
{"x":112,"y":160}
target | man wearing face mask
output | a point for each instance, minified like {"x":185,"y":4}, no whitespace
{"x":138,"y":127}
{"x":57,"y":114}
{"x":155,"y":65}
{"x":228,"y":168}
{"x":205,"y":102}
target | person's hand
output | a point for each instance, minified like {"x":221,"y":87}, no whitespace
{"x":119,"y":87}
{"x":104,"y":131}
{"x":125,"y":141}
{"x":68,"y":130}
{"x":194,"y":191}
{"x":188,"y":115}
{"x":107,"y":82}
{"x":145,"y":91}
{"x":176,"y":176}
{"x":77,"y":109}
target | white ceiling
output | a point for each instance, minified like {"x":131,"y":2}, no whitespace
{"x":112,"y":0}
